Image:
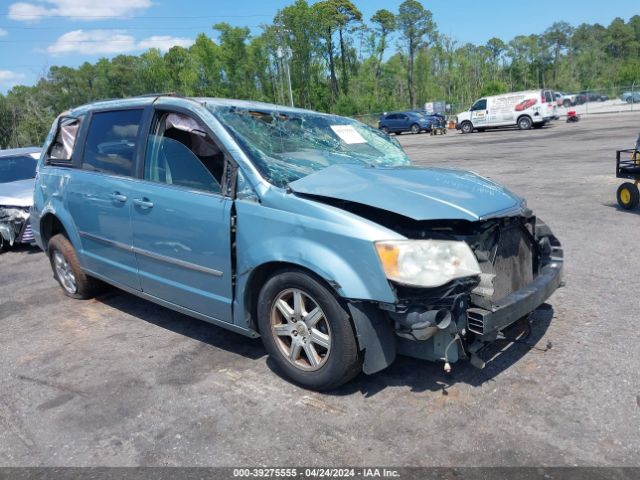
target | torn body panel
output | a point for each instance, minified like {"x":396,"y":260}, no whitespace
{"x":14,"y":225}
{"x":522,"y":264}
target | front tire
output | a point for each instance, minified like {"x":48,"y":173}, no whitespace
{"x":566,"y":103}
{"x":67,"y":271}
{"x":385,"y":130}
{"x":628,"y":196}
{"x":524,"y":123}
{"x":466,"y":127}
{"x":415,"y":128}
{"x":307,"y":332}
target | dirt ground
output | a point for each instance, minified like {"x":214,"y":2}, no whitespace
{"x":120,"y":381}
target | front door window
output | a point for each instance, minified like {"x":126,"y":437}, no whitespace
{"x":180,"y":153}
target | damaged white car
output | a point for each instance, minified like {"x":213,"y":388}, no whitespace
{"x":17,"y":178}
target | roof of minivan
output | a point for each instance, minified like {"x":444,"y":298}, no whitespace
{"x":150,"y":99}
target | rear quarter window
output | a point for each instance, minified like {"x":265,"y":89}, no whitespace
{"x":112,"y":141}
{"x":61,"y":149}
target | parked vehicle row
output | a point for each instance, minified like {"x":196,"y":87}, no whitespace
{"x":279,"y":222}
{"x":17,"y":178}
{"x":572,"y":99}
{"x":589,"y":96}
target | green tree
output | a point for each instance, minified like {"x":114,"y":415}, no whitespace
{"x":418,"y":29}
{"x":558,"y":36}
{"x":385,"y":24}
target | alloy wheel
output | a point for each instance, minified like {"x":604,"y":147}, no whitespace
{"x":300,"y":329}
{"x":64,"y":273}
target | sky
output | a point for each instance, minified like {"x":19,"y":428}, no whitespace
{"x":37,"y":34}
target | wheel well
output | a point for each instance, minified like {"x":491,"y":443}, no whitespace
{"x":50,"y":226}
{"x":264,"y":272}
{"x":525,"y":115}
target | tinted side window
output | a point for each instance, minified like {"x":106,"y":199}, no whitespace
{"x":480,"y":105}
{"x":547,"y":96}
{"x":112,"y":141}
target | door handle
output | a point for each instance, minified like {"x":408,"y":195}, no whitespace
{"x":143,"y":203}
{"x":118,"y":197}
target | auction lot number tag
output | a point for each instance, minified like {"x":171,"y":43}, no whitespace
{"x":348,"y":134}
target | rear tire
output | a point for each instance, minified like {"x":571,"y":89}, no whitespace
{"x":628,"y":196}
{"x":466,"y":127}
{"x":524,"y":123}
{"x":67,"y":271}
{"x":566,"y":103}
{"x":315,"y":350}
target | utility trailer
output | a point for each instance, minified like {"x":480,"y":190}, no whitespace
{"x":628,"y":167}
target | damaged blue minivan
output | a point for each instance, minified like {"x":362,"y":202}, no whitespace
{"x":310,"y":230}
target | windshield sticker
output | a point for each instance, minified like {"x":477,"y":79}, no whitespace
{"x":348,"y":134}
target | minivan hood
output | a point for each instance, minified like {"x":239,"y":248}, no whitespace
{"x":415,"y":192}
{"x":17,"y":194}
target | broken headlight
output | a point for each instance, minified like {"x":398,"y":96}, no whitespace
{"x":426,"y":263}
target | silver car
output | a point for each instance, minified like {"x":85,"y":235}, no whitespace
{"x":17,"y":178}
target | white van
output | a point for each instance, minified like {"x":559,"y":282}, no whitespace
{"x":533,"y":108}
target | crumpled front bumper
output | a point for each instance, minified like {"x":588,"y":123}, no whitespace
{"x":15,"y":226}
{"x":487,"y":323}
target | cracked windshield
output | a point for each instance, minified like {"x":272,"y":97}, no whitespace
{"x":286,"y":146}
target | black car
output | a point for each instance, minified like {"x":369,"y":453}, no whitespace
{"x":584,"y":97}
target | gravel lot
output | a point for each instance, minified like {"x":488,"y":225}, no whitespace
{"x":121,"y":381}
